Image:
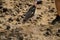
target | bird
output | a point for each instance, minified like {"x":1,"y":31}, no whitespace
{"x":30,"y":13}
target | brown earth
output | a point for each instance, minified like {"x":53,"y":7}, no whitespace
{"x":36,"y":28}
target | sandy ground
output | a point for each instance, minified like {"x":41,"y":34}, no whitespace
{"x":36,"y":28}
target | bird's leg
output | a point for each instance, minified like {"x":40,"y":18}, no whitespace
{"x":57,"y":19}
